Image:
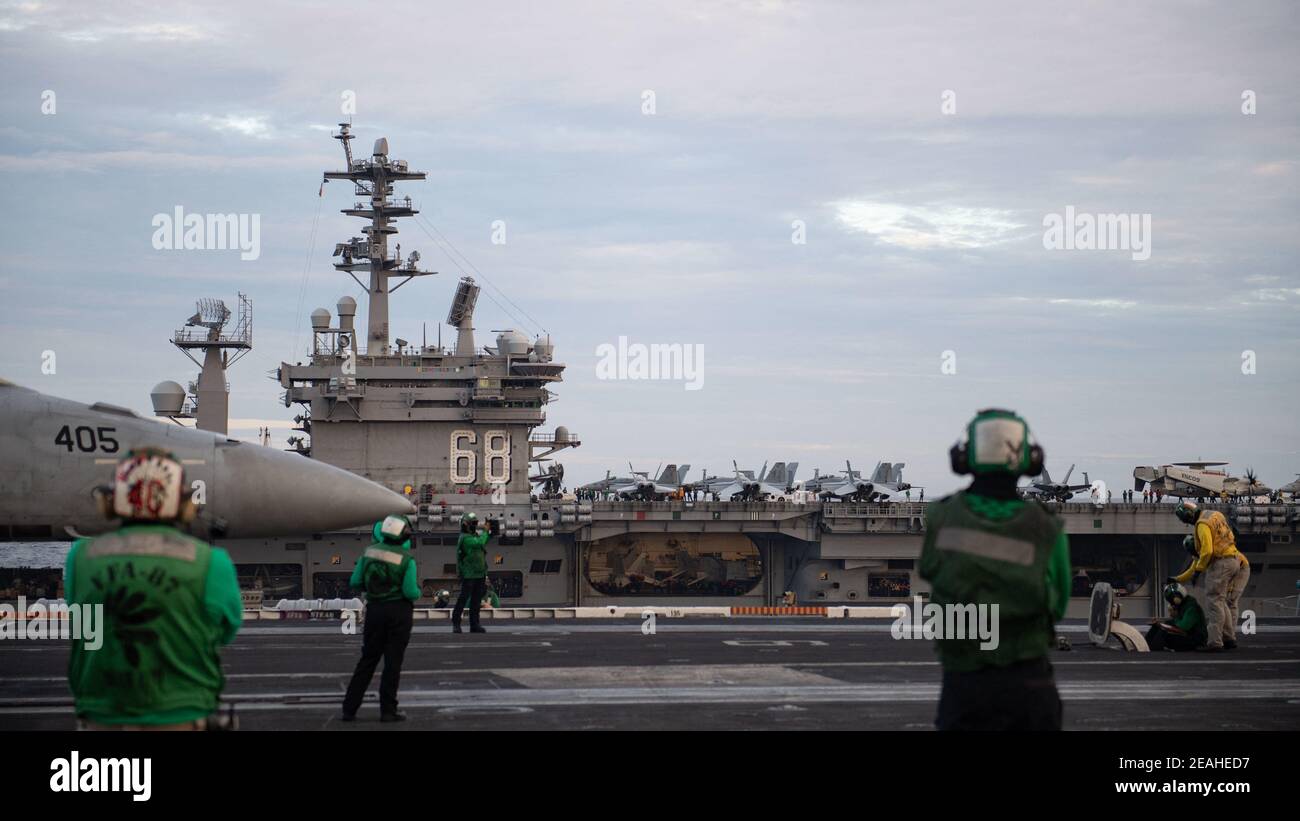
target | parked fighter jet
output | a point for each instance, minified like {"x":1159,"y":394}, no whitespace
{"x":600,"y":485}
{"x":777,"y":482}
{"x":55,"y":452}
{"x":1291,"y":489}
{"x":1042,"y":486}
{"x":745,"y":484}
{"x":852,"y":487}
{"x":1195,"y":480}
{"x":887,"y":479}
{"x":717,"y":484}
{"x":639,"y":486}
{"x":551,"y":480}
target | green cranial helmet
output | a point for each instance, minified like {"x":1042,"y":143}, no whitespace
{"x":469,"y":518}
{"x":997,"y":441}
{"x":1187,"y":511}
{"x":1189,"y":544}
{"x":394,"y":529}
{"x":1175,"y":594}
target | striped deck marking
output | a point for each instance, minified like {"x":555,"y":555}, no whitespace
{"x":798,"y":610}
{"x":885,"y":693}
{"x":756,"y":667}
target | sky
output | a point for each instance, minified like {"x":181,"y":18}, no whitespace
{"x":844,"y":204}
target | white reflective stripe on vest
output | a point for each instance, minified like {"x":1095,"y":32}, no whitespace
{"x":378,"y":553}
{"x":985,"y":545}
{"x":143,"y":544}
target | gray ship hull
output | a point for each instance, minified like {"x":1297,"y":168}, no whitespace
{"x":743,"y":555}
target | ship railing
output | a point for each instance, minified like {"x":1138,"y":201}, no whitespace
{"x":686,"y":505}
{"x":549,"y":438}
{"x":366,"y":205}
{"x":185,"y":336}
{"x":873,"y":509}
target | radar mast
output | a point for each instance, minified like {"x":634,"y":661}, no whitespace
{"x":373,"y":179}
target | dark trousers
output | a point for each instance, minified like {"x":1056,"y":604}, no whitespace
{"x":471,"y":590}
{"x":1158,"y":639}
{"x":386,"y":634}
{"x":1020,"y":696}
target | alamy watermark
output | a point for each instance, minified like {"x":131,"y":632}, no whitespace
{"x":208,"y":232}
{"x":77,"y":774}
{"x":682,"y":362}
{"x":949,"y":621}
{"x":1098,"y":232}
{"x":53,"y":620}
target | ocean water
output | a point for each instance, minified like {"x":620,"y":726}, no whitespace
{"x":34,"y":554}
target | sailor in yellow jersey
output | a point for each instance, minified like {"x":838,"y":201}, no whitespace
{"x":1226,"y":572}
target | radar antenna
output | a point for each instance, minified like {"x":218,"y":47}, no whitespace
{"x":461,"y":315}
{"x":208,"y":398}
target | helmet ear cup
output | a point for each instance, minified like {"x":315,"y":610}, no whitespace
{"x":958,"y":460}
{"x":103,"y":496}
{"x":1035,"y":460}
{"x":188,"y":510}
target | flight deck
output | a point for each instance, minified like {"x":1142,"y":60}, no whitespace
{"x":691,"y":673}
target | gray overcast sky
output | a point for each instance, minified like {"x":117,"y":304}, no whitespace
{"x":924,"y":229}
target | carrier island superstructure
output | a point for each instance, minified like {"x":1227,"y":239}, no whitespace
{"x":455,"y":428}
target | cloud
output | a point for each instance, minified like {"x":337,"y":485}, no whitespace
{"x":1278,"y":168}
{"x":923,"y":227}
{"x":249,"y":126}
{"x":143,"y":32}
{"x":1104,"y":304}
{"x":1275,"y":294}
{"x":143,"y":160}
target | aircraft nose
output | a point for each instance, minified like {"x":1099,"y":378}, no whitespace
{"x":266,"y":492}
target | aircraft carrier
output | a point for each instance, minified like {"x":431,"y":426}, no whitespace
{"x":456,"y":428}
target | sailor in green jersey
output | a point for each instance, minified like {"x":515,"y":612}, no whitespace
{"x":386,"y":573}
{"x":1185,"y":629}
{"x":169,"y":602}
{"x":471,"y":566}
{"x":985,"y":546}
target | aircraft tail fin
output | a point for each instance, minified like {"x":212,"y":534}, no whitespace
{"x":1142,"y":474}
{"x":881,"y":474}
{"x":775,"y":476}
{"x":896,"y":475}
{"x":782,"y":474}
{"x":1066,"y":480}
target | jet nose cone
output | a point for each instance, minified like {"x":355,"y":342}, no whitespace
{"x":266,"y":492}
